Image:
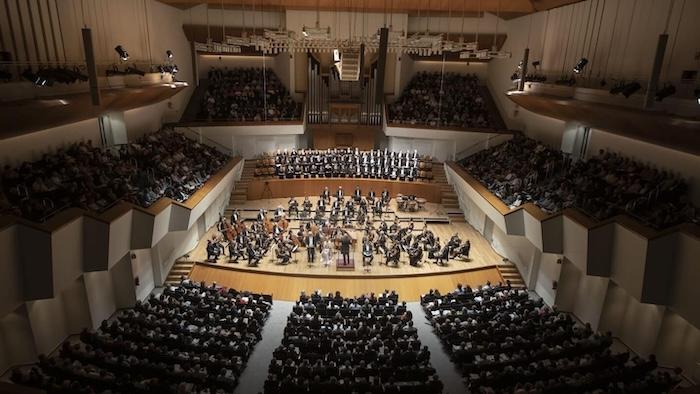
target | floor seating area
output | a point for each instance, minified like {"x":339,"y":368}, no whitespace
{"x":524,"y":170}
{"x":449,"y":100}
{"x":193,"y":338}
{"x":503,"y":341}
{"x":334,"y":344}
{"x":247,"y":94}
{"x":160,"y":164}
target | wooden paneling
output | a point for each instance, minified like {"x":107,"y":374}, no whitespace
{"x":288,"y":287}
{"x":275,"y":188}
{"x":327,"y":136}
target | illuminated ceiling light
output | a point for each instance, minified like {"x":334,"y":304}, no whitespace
{"x":578,"y":68}
{"x":697,"y":95}
{"x":123,"y":54}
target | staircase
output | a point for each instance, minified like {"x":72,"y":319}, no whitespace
{"x":180,"y":268}
{"x":450,"y":200}
{"x":349,"y":66}
{"x":510,"y":272}
{"x":240,"y":189}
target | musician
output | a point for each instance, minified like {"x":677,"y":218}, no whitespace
{"x":378,"y":207}
{"x":357,"y":195}
{"x":463,"y":250}
{"x":345,"y":242}
{"x":261,"y":215}
{"x":339,"y":194}
{"x":385,"y":196}
{"x":367,"y":252}
{"x":235,"y":217}
{"x":233,"y":253}
{"x":284,"y":254}
{"x":325,"y":194}
{"x":253,"y":257}
{"x":454,"y":241}
{"x":434,"y":247}
{"x":321,"y":206}
{"x":327,"y":253}
{"x":221,"y":224}
{"x":443,"y":256}
{"x":279,"y":213}
{"x":310,"y":240}
{"x":212,"y":251}
{"x":293,"y":206}
{"x":393,"y":255}
{"x":415,"y":254}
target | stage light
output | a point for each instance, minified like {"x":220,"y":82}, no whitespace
{"x":630,"y":89}
{"x":169,"y":54}
{"x":667,"y":90}
{"x":697,"y":95}
{"x":123,"y":54}
{"x":578,"y":68}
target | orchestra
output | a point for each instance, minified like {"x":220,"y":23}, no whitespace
{"x":329,"y":232}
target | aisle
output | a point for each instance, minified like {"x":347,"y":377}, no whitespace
{"x":446,"y":370}
{"x":253,"y":377}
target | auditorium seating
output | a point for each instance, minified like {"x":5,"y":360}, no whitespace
{"x":247,"y":94}
{"x":337,"y":344}
{"x":454,"y":100}
{"x":191,"y":338}
{"x":523,"y":170}
{"x":503,"y":341}
{"x":160,"y":164}
{"x":345,"y":163}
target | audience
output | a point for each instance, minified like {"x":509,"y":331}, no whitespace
{"x":505,"y":342}
{"x":159,"y":164}
{"x":247,"y":94}
{"x":454,"y":100}
{"x":190,"y":339}
{"x":367,"y":344}
{"x":346,"y":163}
{"x":523,"y":170}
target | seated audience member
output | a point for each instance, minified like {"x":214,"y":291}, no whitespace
{"x":366,"y":344}
{"x":503,"y":341}
{"x":159,"y":164}
{"x":247,"y":94}
{"x":523,"y":170}
{"x":193,"y":338}
{"x":449,"y":100}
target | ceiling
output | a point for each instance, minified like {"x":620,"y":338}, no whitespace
{"x":507,"y":8}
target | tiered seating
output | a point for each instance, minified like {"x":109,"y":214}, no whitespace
{"x":452,"y":100}
{"x":504,"y":342}
{"x":346,"y":163}
{"x":523,"y":170}
{"x":334,"y":344}
{"x":160,"y":164}
{"x":247,"y":94}
{"x":191,"y":338}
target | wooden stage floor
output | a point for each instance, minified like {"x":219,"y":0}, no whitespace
{"x":286,"y":281}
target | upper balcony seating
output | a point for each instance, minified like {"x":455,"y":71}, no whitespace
{"x":247,"y":94}
{"x":523,"y":170}
{"x":159,"y":164}
{"x":460,"y":105}
{"x":364,"y":344}
{"x":505,"y":342}
{"x":346,"y":163}
{"x":192,"y":338}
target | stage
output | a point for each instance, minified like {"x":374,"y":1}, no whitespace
{"x":285,"y":281}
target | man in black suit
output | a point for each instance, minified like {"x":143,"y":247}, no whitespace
{"x":310,"y":241}
{"x":345,"y":242}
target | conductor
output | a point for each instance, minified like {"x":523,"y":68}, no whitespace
{"x":310,"y":242}
{"x":345,"y":248}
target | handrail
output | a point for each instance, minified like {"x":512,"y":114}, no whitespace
{"x":227,"y":151}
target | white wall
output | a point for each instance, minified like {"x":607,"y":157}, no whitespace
{"x":16,"y":339}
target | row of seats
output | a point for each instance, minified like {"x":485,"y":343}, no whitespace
{"x":524,"y":170}
{"x":367,"y":344}
{"x":504,"y":341}
{"x":160,"y":164}
{"x":192,"y":338}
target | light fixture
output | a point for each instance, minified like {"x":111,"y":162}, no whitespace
{"x":667,"y":90}
{"x":536,"y":64}
{"x":336,"y":56}
{"x":578,"y":68}
{"x":697,"y":95}
{"x":169,"y":54}
{"x":123,"y":54}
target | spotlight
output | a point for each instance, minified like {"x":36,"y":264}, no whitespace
{"x":667,"y":90}
{"x":630,"y":89}
{"x":520,"y":65}
{"x":697,"y":95}
{"x":169,"y":54}
{"x":578,"y":68}
{"x":123,"y":54}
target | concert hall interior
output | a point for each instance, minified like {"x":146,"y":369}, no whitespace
{"x":351,"y":196}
